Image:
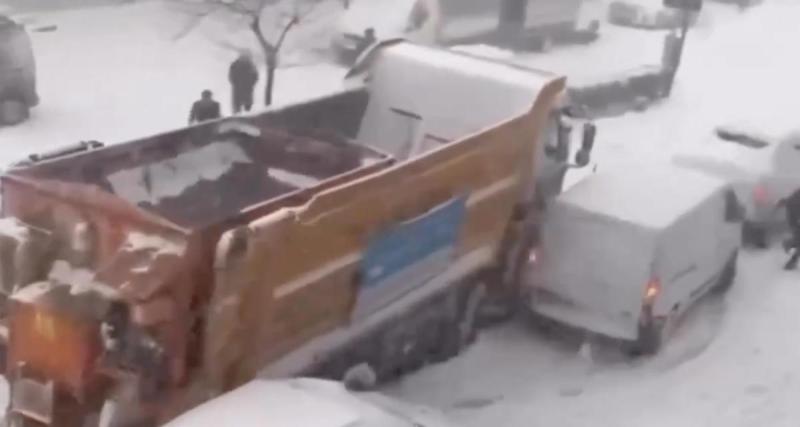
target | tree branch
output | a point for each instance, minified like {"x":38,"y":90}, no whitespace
{"x":292,"y":22}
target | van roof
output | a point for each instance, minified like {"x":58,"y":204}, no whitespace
{"x":653,"y":196}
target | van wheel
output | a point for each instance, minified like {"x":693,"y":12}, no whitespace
{"x":727,"y":276}
{"x":651,"y":338}
{"x":754,"y":236}
{"x":13,"y":112}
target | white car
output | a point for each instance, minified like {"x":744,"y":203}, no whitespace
{"x":305,"y":402}
{"x":764,"y":170}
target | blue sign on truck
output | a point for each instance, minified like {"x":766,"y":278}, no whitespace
{"x":409,"y":254}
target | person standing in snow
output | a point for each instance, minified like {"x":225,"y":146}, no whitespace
{"x":206,"y":108}
{"x":243,"y":75}
{"x":792,"y":204}
{"x":366,"y":41}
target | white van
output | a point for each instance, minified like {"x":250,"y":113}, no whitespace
{"x":625,"y":254}
{"x":521,"y":23}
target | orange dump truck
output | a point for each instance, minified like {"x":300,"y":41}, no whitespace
{"x":364,"y":228}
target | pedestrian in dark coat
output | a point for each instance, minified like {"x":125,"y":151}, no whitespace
{"x":206,"y":108}
{"x":367,"y":40}
{"x":792,"y":204}
{"x":243,"y":75}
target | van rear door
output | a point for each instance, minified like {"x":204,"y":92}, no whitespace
{"x":593,"y":272}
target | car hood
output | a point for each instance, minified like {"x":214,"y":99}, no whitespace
{"x":305,"y":402}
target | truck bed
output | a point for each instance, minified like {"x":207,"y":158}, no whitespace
{"x":208,"y":174}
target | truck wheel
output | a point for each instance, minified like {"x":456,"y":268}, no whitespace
{"x":13,"y":112}
{"x":468,"y":326}
{"x":448,"y":343}
{"x":727,"y":276}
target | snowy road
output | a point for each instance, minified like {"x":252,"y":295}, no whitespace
{"x":115,"y":74}
{"x":734,"y":361}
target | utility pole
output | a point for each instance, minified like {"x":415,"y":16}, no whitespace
{"x":687,"y":8}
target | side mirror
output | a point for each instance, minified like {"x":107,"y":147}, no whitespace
{"x":560,"y":152}
{"x":589,"y":134}
{"x":734,"y":211}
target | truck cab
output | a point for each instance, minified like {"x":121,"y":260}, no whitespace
{"x":17,"y":73}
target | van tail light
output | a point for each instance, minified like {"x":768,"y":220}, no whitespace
{"x":533,"y":257}
{"x":761,"y":195}
{"x":651,"y":292}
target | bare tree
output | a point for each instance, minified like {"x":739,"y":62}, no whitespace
{"x":254,"y":13}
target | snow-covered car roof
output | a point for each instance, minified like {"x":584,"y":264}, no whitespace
{"x":734,"y":152}
{"x":305,"y":402}
{"x":652,"y":196}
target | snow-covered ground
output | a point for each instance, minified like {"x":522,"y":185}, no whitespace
{"x":117,"y":73}
{"x":114,"y":74}
{"x":734,"y":360}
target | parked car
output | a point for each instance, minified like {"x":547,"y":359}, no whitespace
{"x":17,"y":73}
{"x":648,"y":15}
{"x":626,"y":253}
{"x":306,"y":402}
{"x":763,"y":168}
{"x":534,"y":24}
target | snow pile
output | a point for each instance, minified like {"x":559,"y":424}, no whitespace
{"x":136,"y":241}
{"x":80,"y":280}
{"x":170,"y":178}
{"x":13,"y":228}
{"x":294,"y":179}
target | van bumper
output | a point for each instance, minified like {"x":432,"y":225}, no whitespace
{"x":620,"y":328}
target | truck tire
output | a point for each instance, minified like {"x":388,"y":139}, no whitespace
{"x":448,"y":344}
{"x":13,"y":111}
{"x":727,"y":276}
{"x":468,"y":324}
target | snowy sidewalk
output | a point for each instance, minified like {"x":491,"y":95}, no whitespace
{"x":116,"y":74}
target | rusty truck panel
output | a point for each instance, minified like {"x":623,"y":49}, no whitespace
{"x":180,"y":190}
{"x":293,"y":275}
